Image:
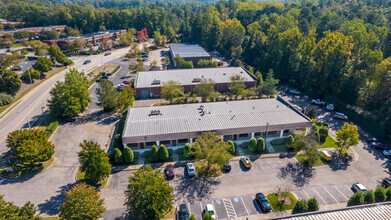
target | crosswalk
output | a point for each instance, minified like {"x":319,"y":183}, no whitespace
{"x":229,"y":208}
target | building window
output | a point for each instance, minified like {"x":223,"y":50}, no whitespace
{"x":272,"y":133}
{"x":149,"y":144}
{"x":286,"y":132}
{"x":183,"y":141}
{"x":133,"y":145}
{"x":227,"y":137}
{"x":245,"y":135}
{"x":259,"y":134}
{"x":165,"y":142}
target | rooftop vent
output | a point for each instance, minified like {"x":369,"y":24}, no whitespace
{"x":197,"y":80}
{"x":156,"y":82}
{"x":155,"y":112}
{"x":224,"y":74}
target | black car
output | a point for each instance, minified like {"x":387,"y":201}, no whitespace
{"x":379,"y":145}
{"x":263,"y":203}
{"x":106,"y":54}
{"x":386,"y":182}
{"x":227,"y":167}
{"x":102,"y":78}
{"x":87,"y":61}
{"x":183,"y":212}
{"x":69,"y":119}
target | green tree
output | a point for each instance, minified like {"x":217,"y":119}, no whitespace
{"x":8,"y":210}
{"x":192,"y":217}
{"x":187,"y":150}
{"x":309,"y":146}
{"x":157,"y":38}
{"x":48,"y":34}
{"x":347,"y":137}
{"x":128,"y":155}
{"x":30,"y":145}
{"x":289,"y":141}
{"x":261,"y":145}
{"x":171,"y":90}
{"x":380,"y":194}
{"x":43,"y":64}
{"x":204,"y":63}
{"x":8,"y":61}
{"x":207,"y":216}
{"x":312,"y":205}
{"x":125,"y":98}
{"x":118,"y":156}
{"x":71,"y":96}
{"x":300,"y":207}
{"x":388,"y":193}
{"x":369,"y":197}
{"x":252,"y":145}
{"x":82,"y":202}
{"x":5,"y":99}
{"x":34,"y":74}
{"x":187,"y":65}
{"x":231,"y":147}
{"x":356,"y":199}
{"x":10,"y":82}
{"x":204,"y":89}
{"x":178,"y":60}
{"x":163,"y":153}
{"x":93,"y":162}
{"x":148,"y":196}
{"x":153,"y":154}
{"x":107,"y":95}
{"x":269,"y":85}
{"x":323,"y":133}
{"x":237,"y":86}
{"x":154,"y":65}
{"x":56,"y":54}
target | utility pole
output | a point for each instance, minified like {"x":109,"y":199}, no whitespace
{"x":30,"y":76}
{"x":28,"y":122}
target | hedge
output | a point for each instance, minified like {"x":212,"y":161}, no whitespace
{"x":52,"y":126}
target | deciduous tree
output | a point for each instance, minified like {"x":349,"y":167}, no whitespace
{"x":43,"y":64}
{"x":204,"y":89}
{"x":171,"y":90}
{"x":347,"y":137}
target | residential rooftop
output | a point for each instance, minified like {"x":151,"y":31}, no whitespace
{"x":148,"y":79}
{"x":188,"y":50}
{"x":185,"y":118}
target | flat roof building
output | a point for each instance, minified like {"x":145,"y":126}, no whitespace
{"x":148,"y":83}
{"x":189,"y":52}
{"x":174,"y":125}
{"x":33,"y":29}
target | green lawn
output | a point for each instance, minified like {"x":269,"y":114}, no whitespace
{"x":277,"y":206}
{"x":23,"y":170}
{"x":329,"y":143}
{"x":280,"y":148}
{"x":303,"y":159}
{"x":279,"y":141}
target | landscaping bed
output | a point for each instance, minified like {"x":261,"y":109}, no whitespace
{"x":147,"y":161}
{"x":279,"y":145}
{"x":329,"y":143}
{"x":246,"y":151}
{"x":275,"y":199}
{"x":303,"y":159}
{"x":24,"y":170}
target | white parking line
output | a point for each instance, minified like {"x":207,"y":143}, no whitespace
{"x":330,"y":194}
{"x":215,"y":210}
{"x":340,"y":192}
{"x":188,"y":205}
{"x":245,"y":206}
{"x":201,"y":207}
{"x":229,"y":208}
{"x":348,"y":188}
{"x":308,"y":197}
{"x":319,"y":196}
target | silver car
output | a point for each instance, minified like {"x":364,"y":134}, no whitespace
{"x":358,"y":187}
{"x":190,"y":168}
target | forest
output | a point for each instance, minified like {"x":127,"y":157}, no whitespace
{"x":336,"y":50}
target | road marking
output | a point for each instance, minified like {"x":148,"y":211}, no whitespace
{"x":215,"y":210}
{"x":201,"y":207}
{"x":330,"y":194}
{"x":229,"y":208}
{"x":319,"y":196}
{"x":218,"y":202}
{"x":341,"y":193}
{"x":245,"y":206}
{"x":188,"y":205}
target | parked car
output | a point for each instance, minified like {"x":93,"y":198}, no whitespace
{"x":330,"y":107}
{"x":190,"y":169}
{"x":227,"y":167}
{"x":379,"y":145}
{"x":262,"y":202}
{"x":169,"y":171}
{"x":325,"y":155}
{"x":372,"y":140}
{"x":106,"y":54}
{"x":119,"y":87}
{"x":183,"y":212}
{"x":144,"y":58}
{"x":87,"y":61}
{"x":358,"y":187}
{"x":246,"y":162}
{"x":102,"y":78}
{"x":8,"y":50}
{"x":387,"y":153}
{"x":386,"y":182}
{"x":69,"y":119}
{"x":294,"y":91}
{"x":209,"y":208}
{"x":143,"y":54}
{"x":16,"y":68}
{"x":340,"y":116}
{"x":318,"y":102}
{"x":125,"y":82}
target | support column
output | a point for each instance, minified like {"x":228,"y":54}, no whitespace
{"x":253,"y":135}
{"x":191,"y":140}
{"x":282,"y":133}
{"x":222,"y":137}
{"x":308,"y":130}
{"x":157,"y":144}
{"x":124,"y":145}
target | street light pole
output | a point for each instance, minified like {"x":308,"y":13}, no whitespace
{"x":43,"y":115}
{"x":28,"y":122}
{"x":31,"y":82}
{"x":267,"y":124}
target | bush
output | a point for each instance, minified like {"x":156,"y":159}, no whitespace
{"x":52,"y":126}
{"x":187,"y":150}
{"x":260,"y":144}
{"x":380,"y":194}
{"x":186,"y":65}
{"x":252,"y":146}
{"x":369,"y":197}
{"x":388,"y":193}
{"x":326,"y":125}
{"x":356,"y":199}
{"x":300,"y":207}
{"x":118,"y":156}
{"x":289,"y":141}
{"x":231,"y":148}
{"x":323,"y":133}
{"x":35,"y":74}
{"x":128,"y":155}
{"x":314,"y":128}
{"x":163,"y":153}
{"x":153,"y":155}
{"x":5,"y":99}
{"x":312,"y":205}
{"x":48,"y":134}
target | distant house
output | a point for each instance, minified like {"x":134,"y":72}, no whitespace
{"x":189,"y":52}
{"x":33,"y":29}
{"x":148,"y":84}
{"x":3,"y":21}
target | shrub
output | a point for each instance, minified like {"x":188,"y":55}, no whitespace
{"x":35,"y":74}
{"x":153,"y":155}
{"x":5,"y":99}
{"x":312,"y":205}
{"x":369,"y":197}
{"x":195,"y":148}
{"x":117,"y":156}
{"x":314,"y":128}
{"x":326,"y":125}
{"x":207,"y":216}
{"x":48,"y":134}
{"x":315,"y":136}
{"x":163,"y":153}
{"x":388,"y":193}
{"x":289,"y":141}
{"x":260,"y":144}
{"x":187,"y":150}
{"x":300,"y":207}
{"x":186,"y":65}
{"x":252,"y":146}
{"x":52,"y":126}
{"x":128,"y":155}
{"x":356,"y":199}
{"x":118,"y":141}
{"x":231,"y":148}
{"x":323,"y":133}
{"x":345,"y":154}
{"x":380,"y":194}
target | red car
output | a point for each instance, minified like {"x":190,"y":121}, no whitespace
{"x":169,"y":171}
{"x":125,"y":82}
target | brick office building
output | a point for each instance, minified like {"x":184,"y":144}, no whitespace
{"x":176,"y":125}
{"x":148,"y":83}
{"x":189,"y":52}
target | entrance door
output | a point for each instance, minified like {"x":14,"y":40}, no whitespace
{"x":144,"y":94}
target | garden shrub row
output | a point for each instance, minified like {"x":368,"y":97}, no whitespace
{"x":380,"y":195}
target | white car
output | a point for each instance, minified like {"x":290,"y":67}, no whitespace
{"x":340,"y":115}
{"x":294,"y":91}
{"x":387,"y":153}
{"x":330,"y":107}
{"x":318,"y":102}
{"x":359,"y":187}
{"x":209,"y":208}
{"x":190,"y":168}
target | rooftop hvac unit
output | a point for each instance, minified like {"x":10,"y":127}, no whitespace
{"x":155,"y":112}
{"x":156,"y":82}
{"x":197,"y":80}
